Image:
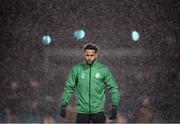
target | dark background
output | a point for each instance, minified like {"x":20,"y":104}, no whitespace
{"x":149,"y":66}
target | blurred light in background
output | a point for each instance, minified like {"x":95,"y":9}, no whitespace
{"x":46,"y":39}
{"x":79,"y":34}
{"x":135,"y":35}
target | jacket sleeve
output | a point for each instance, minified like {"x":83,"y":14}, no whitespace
{"x":69,"y":87}
{"x":112,"y":87}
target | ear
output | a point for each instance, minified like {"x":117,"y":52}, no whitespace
{"x":96,"y":55}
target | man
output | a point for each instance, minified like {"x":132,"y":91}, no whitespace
{"x":89,"y":80}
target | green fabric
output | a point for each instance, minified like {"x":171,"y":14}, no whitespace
{"x":89,"y":84}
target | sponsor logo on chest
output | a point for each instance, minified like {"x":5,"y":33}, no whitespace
{"x":82,"y":76}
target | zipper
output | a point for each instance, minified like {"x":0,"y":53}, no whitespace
{"x":89,"y":90}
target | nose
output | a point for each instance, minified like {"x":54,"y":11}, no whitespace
{"x":88,"y":57}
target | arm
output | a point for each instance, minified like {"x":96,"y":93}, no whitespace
{"x":113,"y":88}
{"x":69,"y":87}
{"x":115,"y":94}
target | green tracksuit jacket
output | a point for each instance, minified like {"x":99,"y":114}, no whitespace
{"x":89,"y":82}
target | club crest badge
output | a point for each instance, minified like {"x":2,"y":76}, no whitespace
{"x":97,"y":75}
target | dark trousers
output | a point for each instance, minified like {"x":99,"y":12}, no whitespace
{"x":91,"y":118}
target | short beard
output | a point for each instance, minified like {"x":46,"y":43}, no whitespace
{"x":91,"y":63}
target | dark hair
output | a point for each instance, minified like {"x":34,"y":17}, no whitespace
{"x":91,"y":47}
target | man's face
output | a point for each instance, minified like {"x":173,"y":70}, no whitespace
{"x":90,"y":56}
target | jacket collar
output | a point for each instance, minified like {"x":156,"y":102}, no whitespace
{"x":94,"y":63}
